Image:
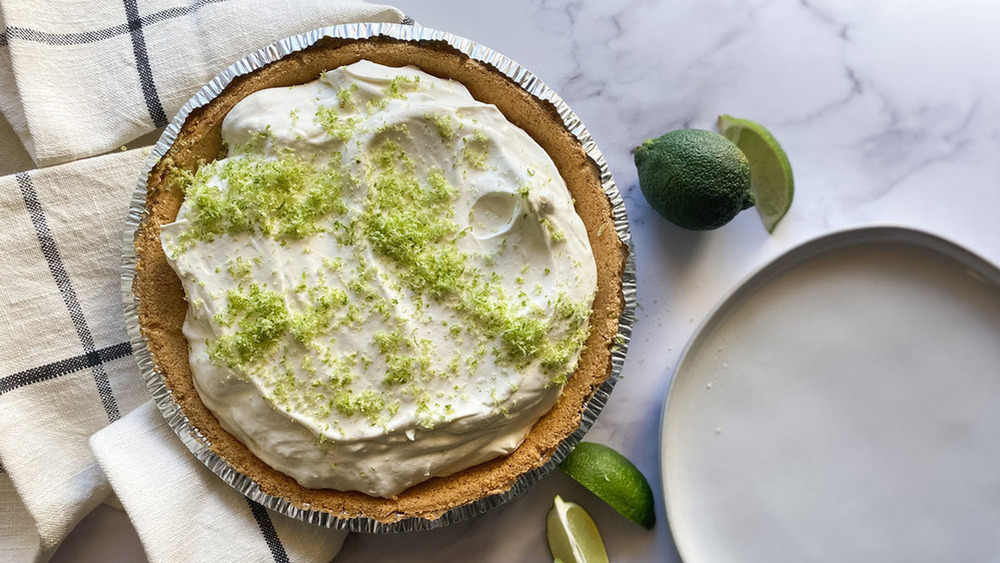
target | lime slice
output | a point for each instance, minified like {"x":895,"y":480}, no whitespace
{"x":572,"y":534}
{"x":770,"y":171}
{"x":614,"y":479}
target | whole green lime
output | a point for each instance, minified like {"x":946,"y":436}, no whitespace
{"x":695,"y":179}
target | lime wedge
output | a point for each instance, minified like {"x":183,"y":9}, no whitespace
{"x":613,"y":478}
{"x":770,"y":171}
{"x":572,"y":534}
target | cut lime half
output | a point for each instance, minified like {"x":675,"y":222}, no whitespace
{"x":572,"y":534}
{"x":770,"y":171}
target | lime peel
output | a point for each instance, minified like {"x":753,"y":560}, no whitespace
{"x":614,"y":479}
{"x":770,"y":171}
{"x":695,"y":179}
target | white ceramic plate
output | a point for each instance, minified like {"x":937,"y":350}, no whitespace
{"x":842,"y":404}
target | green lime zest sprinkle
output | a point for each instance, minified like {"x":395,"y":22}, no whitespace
{"x":496,"y":316}
{"x":397,"y":89}
{"x":388,"y":342}
{"x":341,"y":372}
{"x":556,"y":356}
{"x":376,"y":105}
{"x":256,"y":143}
{"x":262,"y":319}
{"x":341,"y":128}
{"x":399,"y":369}
{"x":280,"y":197}
{"x":345,"y":97}
{"x":336,"y":264}
{"x":499,"y":404}
{"x":410,"y":222}
{"x":239,"y":268}
{"x":400,"y":86}
{"x":476,"y":151}
{"x":369,"y":403}
{"x":325,"y":303}
{"x":555,"y":233}
{"x":445,"y":128}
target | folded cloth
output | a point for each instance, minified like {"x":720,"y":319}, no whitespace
{"x":66,"y":365}
{"x":157,"y":480}
{"x":17,"y":530}
{"x":82,"y":78}
{"x":15,"y":158}
{"x":66,"y":370}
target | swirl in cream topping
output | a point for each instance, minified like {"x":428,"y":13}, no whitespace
{"x":386,"y":279}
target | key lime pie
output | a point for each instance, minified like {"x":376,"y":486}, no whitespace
{"x":379,"y":278}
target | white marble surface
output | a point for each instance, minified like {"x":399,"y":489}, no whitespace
{"x":890,"y":114}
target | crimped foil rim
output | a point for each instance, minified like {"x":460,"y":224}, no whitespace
{"x":162,"y":396}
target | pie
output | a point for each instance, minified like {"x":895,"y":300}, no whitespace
{"x":371,"y":295}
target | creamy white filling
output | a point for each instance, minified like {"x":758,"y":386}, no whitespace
{"x":394,"y":383}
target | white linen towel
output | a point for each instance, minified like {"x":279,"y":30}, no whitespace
{"x":220,"y":524}
{"x":81,"y":78}
{"x":71,"y":84}
{"x":66,"y":366}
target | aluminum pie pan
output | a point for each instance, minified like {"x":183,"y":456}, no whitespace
{"x":162,"y":396}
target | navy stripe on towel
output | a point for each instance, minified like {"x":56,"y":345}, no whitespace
{"x":58,"y":271}
{"x":263,"y":519}
{"x":64,"y":367}
{"x":84,"y":37}
{"x":153,"y":104}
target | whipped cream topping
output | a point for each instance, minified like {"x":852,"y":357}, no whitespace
{"x":386,"y":279}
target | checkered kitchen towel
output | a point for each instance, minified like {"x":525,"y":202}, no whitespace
{"x":78,"y":78}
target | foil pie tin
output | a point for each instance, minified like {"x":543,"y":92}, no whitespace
{"x":162,"y":396}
